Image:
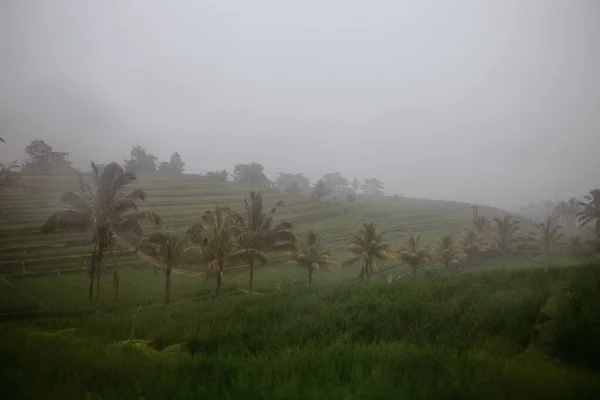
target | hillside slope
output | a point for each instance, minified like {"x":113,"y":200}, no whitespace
{"x":180,"y":201}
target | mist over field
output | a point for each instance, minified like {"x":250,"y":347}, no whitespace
{"x":489,"y":102}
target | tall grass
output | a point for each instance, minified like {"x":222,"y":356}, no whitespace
{"x":522,"y":333}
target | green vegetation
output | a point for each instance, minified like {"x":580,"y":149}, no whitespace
{"x":444,"y":304}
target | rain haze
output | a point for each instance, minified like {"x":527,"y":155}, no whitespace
{"x":489,"y":102}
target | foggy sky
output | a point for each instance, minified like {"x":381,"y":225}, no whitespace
{"x":495,"y":102}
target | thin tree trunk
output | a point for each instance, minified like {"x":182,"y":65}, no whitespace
{"x":219,"y":277}
{"x":251,"y":275}
{"x":310,"y":271}
{"x":168,"y":285}
{"x":92,"y":273}
{"x":414,"y":267}
{"x":446,"y":266}
{"x":99,"y":257}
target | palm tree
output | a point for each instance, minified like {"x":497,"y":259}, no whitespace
{"x":368,"y":247}
{"x":504,"y":232}
{"x":590,"y":210}
{"x":413,"y":253}
{"x":549,"y":235}
{"x":320,"y":190}
{"x":258,"y":234}
{"x":170,"y":251}
{"x":449,"y":253}
{"x":312,"y":254}
{"x":473,"y":244}
{"x":8,"y":177}
{"x":215,"y":234}
{"x":567,"y":211}
{"x":105,"y":209}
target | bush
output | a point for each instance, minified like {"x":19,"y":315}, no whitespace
{"x":569,"y":327}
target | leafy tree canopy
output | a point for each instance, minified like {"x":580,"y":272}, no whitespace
{"x":372,"y":187}
{"x":335,"y":181}
{"x":292,"y":182}
{"x":140,"y":161}
{"x":174,"y":166}
{"x":44,"y":160}
{"x":252,"y":174}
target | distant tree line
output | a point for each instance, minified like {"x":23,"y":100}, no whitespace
{"x":43,"y":159}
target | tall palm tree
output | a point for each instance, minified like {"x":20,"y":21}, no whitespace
{"x":216,"y":235}
{"x":567,"y":211}
{"x":504,"y":233}
{"x":548,"y":236}
{"x":320,"y":190}
{"x":258,"y":233}
{"x":590,"y":210}
{"x":413,"y":253}
{"x":449,"y":253}
{"x":368,"y":247}
{"x":313,"y":254}
{"x":106,"y":209}
{"x":170,"y":251}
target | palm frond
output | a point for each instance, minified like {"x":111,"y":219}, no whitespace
{"x":67,"y":219}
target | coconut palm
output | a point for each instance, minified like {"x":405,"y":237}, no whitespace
{"x":504,"y":233}
{"x":320,"y":190}
{"x":548,"y":236}
{"x":473,"y":244}
{"x":567,"y":211}
{"x":590,"y":210}
{"x":313,"y":254}
{"x":413,"y":253}
{"x":368,"y":247}
{"x":258,"y":233}
{"x":449,"y":253}
{"x":216,"y":235}
{"x":106,"y":209}
{"x":170,"y":251}
{"x":8,"y":177}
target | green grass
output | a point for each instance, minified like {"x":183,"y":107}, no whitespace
{"x":467,"y":336}
{"x":512,"y":327}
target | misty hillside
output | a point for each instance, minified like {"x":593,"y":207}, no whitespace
{"x":180,"y":201}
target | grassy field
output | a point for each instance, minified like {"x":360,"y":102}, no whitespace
{"x":502,"y":334}
{"x":514,"y":327}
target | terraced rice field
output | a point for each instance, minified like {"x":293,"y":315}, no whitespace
{"x":181,"y":200}
{"x":28,"y":256}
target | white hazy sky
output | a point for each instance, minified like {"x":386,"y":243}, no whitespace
{"x":494,"y":102}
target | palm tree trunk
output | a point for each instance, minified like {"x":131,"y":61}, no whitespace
{"x":219,"y":277}
{"x":446,"y":265}
{"x":414,"y":267}
{"x":168,"y":285}
{"x":251,"y":275}
{"x":92,"y":273}
{"x":310,"y":271}
{"x":98,"y":267}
